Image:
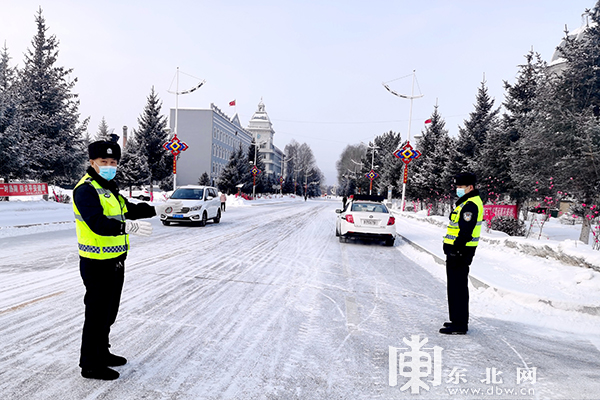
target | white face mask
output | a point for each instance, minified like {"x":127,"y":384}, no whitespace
{"x":460,"y":192}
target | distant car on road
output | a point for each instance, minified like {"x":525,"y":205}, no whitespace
{"x":367,"y":217}
{"x":136,"y":193}
{"x":200,"y":204}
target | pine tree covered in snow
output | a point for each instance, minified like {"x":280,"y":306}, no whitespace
{"x":525,"y":113}
{"x":390,"y":168}
{"x":11,"y":160}
{"x":151,"y":135}
{"x":577,"y":139}
{"x":236,"y":172}
{"x":472,"y":136}
{"x":580,"y":80}
{"x":103,"y":131}
{"x":133,"y":168}
{"x":204,"y":179}
{"x":49,"y":109}
{"x":429,"y":178}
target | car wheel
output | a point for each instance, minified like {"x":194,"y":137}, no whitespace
{"x":337,"y":232}
{"x":389,"y":242}
{"x":204,"y":219}
{"x":217,"y":219}
{"x":343,"y":239}
{"x":166,"y":223}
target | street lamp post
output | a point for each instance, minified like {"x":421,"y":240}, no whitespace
{"x":411,"y":98}
{"x":173,"y":147}
{"x":372,"y":165}
{"x":356,"y":173}
{"x":255,"y":171}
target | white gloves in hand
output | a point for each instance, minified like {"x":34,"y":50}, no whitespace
{"x":141,"y":228}
{"x":171,"y":207}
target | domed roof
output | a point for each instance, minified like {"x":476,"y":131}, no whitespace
{"x":260,"y":114}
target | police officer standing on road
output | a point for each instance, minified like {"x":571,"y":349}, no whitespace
{"x":460,"y":242}
{"x":103,"y":241}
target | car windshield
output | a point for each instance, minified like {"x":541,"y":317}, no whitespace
{"x":369,"y":207}
{"x":188,"y":194}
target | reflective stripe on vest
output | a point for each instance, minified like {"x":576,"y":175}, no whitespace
{"x":89,"y":243}
{"x":453,"y":228}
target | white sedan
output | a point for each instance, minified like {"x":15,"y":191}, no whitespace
{"x":200,"y":203}
{"x":368,"y":218}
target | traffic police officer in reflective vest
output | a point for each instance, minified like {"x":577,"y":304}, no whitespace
{"x":460,"y":242}
{"x":104,"y":220}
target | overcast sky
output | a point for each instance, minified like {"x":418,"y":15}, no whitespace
{"x":317,"y":65}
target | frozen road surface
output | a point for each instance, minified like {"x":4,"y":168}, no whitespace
{"x":268,"y":304}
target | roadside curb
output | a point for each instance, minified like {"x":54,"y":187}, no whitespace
{"x":38,"y":224}
{"x":477,"y":283}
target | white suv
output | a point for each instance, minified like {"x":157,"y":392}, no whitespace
{"x":200,"y":203}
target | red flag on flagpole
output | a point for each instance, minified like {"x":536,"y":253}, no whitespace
{"x":428,"y":121}
{"x":232,"y":103}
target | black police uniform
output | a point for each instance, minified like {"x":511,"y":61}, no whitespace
{"x":458,"y":260}
{"x":103,"y":279}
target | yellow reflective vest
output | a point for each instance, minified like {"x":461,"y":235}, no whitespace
{"x":95,"y":246}
{"x":454,"y":229}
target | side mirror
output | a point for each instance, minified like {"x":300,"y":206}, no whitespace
{"x":338,"y":211}
{"x":208,"y":198}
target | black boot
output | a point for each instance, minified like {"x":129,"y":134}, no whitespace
{"x":452,"y":329}
{"x":112,"y":360}
{"x":102,"y":373}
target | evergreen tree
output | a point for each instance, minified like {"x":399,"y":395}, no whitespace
{"x":580,"y":80}
{"x":151,"y":135}
{"x":390,"y":168}
{"x":50,"y":116}
{"x":236,"y":172}
{"x":429,"y":177}
{"x":133,"y":168}
{"x":522,"y":103}
{"x":577,"y":103}
{"x":103,"y":131}
{"x":204,"y":179}
{"x":11,"y":155}
{"x":472,"y":136}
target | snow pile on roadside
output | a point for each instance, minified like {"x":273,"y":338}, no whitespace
{"x":557,"y":241}
{"x":513,"y":271}
{"x":26,"y":217}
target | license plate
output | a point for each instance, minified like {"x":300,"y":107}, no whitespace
{"x":177,"y":215}
{"x":369,"y":222}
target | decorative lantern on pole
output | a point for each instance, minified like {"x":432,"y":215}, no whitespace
{"x":175,"y":146}
{"x":281,"y":180}
{"x":406,"y":153}
{"x":255,"y":171}
{"x":371,"y":175}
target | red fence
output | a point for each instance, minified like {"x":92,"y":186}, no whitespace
{"x":491,"y":211}
{"x":23,"y":189}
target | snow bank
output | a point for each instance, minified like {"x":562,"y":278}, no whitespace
{"x":568,"y":250}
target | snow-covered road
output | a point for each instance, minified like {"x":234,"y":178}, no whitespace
{"x":267,"y":304}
